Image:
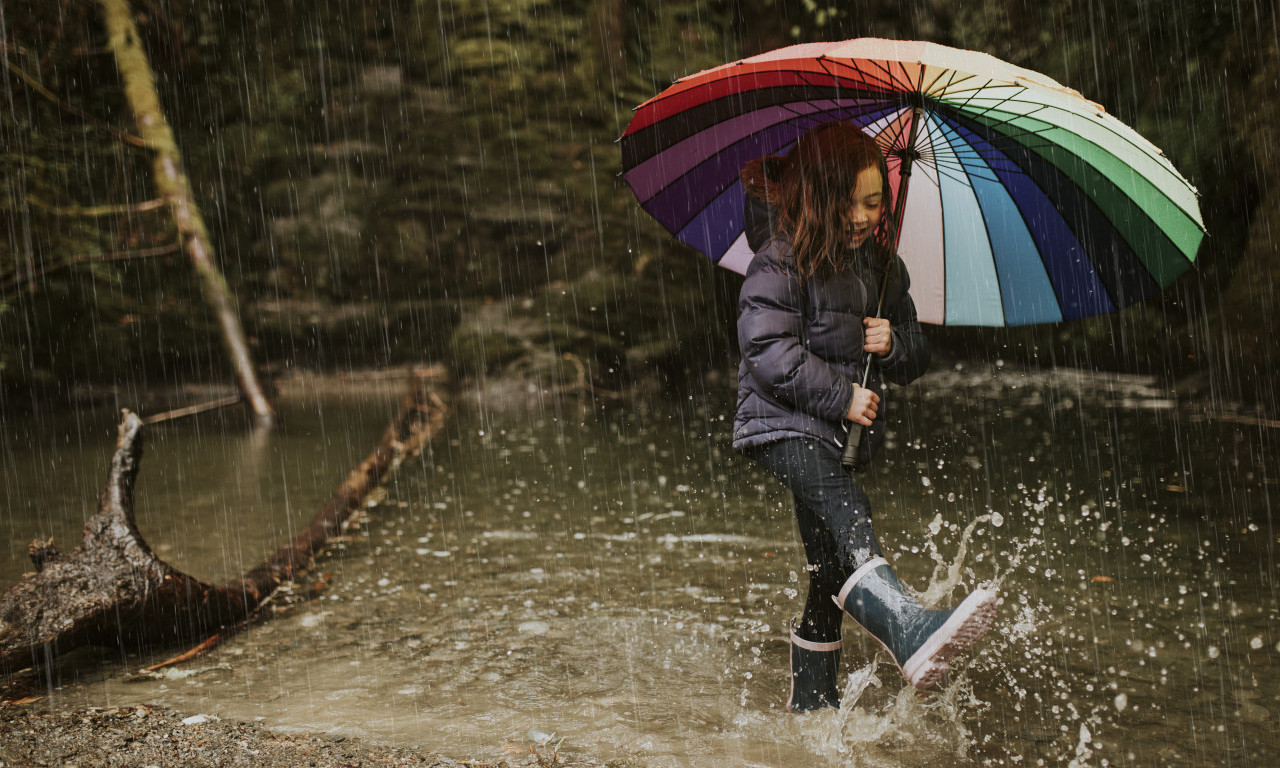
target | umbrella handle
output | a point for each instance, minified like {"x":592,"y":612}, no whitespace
{"x":851,"y":456}
{"x":849,"y":459}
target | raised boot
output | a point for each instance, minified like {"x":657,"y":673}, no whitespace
{"x":815,"y":671}
{"x":921,"y":641}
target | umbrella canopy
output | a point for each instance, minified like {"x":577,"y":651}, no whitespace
{"x":1027,"y":202}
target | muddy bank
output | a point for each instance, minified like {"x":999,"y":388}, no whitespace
{"x":144,"y":736}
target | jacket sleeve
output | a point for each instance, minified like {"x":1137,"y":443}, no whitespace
{"x":770,"y":317}
{"x":909,"y":358}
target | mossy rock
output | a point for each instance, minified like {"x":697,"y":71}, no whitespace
{"x":254,"y":152}
{"x":485,"y":54}
{"x":95,"y":334}
{"x":324,"y":335}
{"x":612,"y":304}
{"x":474,"y":351}
{"x":498,"y":13}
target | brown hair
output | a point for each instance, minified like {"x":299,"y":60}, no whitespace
{"x":810,"y":188}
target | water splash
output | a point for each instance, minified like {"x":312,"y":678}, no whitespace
{"x":947,"y":575}
{"x":883,"y":723}
{"x":889,"y":723}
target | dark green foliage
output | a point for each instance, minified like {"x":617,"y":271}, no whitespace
{"x":376,"y":174}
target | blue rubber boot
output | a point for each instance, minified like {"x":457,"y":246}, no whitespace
{"x":815,"y":672}
{"x":921,"y":641}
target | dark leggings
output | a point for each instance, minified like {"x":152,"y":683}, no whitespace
{"x":834,"y":516}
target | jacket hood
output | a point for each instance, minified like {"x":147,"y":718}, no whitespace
{"x":757,"y":222}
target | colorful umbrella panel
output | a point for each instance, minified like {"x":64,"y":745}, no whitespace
{"x":1027,"y":203}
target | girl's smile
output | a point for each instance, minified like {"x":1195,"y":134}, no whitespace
{"x":866,"y":206}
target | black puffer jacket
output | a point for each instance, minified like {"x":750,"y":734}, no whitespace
{"x":802,"y":345}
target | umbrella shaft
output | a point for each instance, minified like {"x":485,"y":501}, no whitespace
{"x":884,"y":287}
{"x":904,"y":175}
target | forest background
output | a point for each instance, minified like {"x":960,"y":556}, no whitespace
{"x":437,"y":180}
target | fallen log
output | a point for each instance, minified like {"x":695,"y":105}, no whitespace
{"x":113,"y":590}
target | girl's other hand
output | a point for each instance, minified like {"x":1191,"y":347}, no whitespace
{"x":878,"y":336}
{"x":863,"y":407}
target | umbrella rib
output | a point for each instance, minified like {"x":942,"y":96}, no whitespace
{"x":828,"y":65}
{"x":965,"y":77}
{"x":1017,"y":138}
{"x":1077,"y":155}
{"x":1007,"y":100}
{"x":942,"y":219}
{"x":1022,"y":214}
{"x":966,"y":159}
{"x":986,"y":224}
{"x":1112,"y":293}
{"x":1104,"y":125}
{"x":898,"y":130}
{"x":861,"y":111}
{"x":898,"y":125}
{"x":978,"y":89}
{"x":972,"y":93}
{"x":860,"y":75}
{"x":956,"y":171}
{"x":924,"y":151}
{"x":918,"y":85}
{"x":1112,"y":283}
{"x":1011,"y":99}
{"x":1050,"y":143}
{"x":895,"y":79}
{"x":1020,"y":136}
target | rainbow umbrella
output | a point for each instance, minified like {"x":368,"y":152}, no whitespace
{"x":1027,"y":202}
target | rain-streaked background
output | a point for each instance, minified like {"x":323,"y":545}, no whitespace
{"x":580,"y":552}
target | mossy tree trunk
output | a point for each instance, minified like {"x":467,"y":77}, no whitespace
{"x":173,"y":185}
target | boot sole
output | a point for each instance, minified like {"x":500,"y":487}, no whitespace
{"x":969,"y":622}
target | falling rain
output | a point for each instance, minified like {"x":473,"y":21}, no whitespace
{"x":577,"y":568}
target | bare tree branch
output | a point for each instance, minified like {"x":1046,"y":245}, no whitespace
{"x":96,"y":210}
{"x":11,"y":284}
{"x":35,"y":85}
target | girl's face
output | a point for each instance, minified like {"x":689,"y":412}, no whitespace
{"x":866,"y":205}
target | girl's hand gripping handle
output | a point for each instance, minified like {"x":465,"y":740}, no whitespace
{"x":862,"y":411}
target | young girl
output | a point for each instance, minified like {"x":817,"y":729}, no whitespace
{"x":819,"y":222}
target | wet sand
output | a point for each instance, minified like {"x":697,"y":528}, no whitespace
{"x":145,"y":737}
